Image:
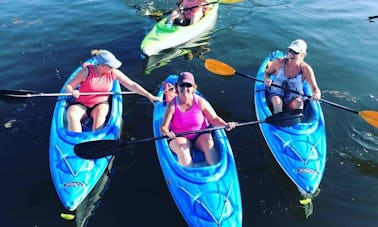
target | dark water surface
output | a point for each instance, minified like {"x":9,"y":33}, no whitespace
{"x":42,"y":42}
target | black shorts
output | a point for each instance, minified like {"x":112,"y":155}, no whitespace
{"x":88,"y":110}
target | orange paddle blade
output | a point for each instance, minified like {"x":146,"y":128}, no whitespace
{"x":219,"y":67}
{"x":229,"y":1}
{"x":370,"y":116}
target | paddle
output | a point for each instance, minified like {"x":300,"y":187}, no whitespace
{"x":158,"y":15}
{"x":223,"y":69}
{"x":103,"y":148}
{"x":12,"y":96}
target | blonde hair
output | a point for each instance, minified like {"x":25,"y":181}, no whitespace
{"x":96,"y":52}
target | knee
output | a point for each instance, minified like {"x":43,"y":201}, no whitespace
{"x":100,"y":114}
{"x":205,"y":142}
{"x":296,"y":103}
{"x":276,"y":100}
{"x":72,"y":114}
{"x":184,"y":155}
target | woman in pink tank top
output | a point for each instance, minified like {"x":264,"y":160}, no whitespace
{"x":188,"y":112}
{"x":97,"y":78}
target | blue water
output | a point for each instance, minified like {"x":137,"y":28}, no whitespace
{"x":42,"y":42}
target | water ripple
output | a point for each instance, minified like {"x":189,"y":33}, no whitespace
{"x":365,"y":137}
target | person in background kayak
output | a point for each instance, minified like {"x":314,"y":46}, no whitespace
{"x":189,"y":112}
{"x":193,"y":13}
{"x":97,"y":78}
{"x":290,"y":72}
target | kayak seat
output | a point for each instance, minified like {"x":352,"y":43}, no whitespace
{"x":197,"y":156}
{"x":308,"y":112}
{"x":86,"y":124}
{"x":163,"y":28}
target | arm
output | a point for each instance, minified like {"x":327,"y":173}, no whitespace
{"x":133,"y":86}
{"x":309,"y":75}
{"x":74,"y":82}
{"x":212,"y":117}
{"x":271,"y":68}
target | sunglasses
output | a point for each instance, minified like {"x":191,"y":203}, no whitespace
{"x":293,"y":52}
{"x":185,"y":85}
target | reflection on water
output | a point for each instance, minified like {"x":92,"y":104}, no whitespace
{"x":149,"y":9}
{"x":163,"y":58}
{"x":342,"y":95}
{"x":366,"y":137}
{"x":196,"y":47}
{"x":366,"y":167}
{"x":300,"y":207}
{"x":86,"y":209}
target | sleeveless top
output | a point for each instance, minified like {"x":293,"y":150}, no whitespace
{"x":293,"y":83}
{"x":191,"y":120}
{"x":94,"y":83}
{"x":191,"y":3}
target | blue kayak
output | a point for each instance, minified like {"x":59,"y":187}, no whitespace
{"x":205,"y":195}
{"x":300,"y":150}
{"x":74,"y":177}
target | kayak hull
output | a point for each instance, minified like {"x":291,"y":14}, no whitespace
{"x":205,"y":195}
{"x":74,"y":177}
{"x":161,"y":37}
{"x":300,"y":150}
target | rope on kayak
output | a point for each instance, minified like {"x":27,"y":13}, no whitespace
{"x":224,"y":203}
{"x":65,"y":161}
{"x":200,"y":203}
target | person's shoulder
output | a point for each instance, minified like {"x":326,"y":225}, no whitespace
{"x":281,"y":60}
{"x":118,"y":73}
{"x":305,"y":65}
{"x":84,"y":71}
{"x":306,"y":69}
{"x":199,"y":98}
{"x":203,"y":102}
{"x":276,"y":64}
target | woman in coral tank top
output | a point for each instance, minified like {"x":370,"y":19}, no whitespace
{"x":97,"y":78}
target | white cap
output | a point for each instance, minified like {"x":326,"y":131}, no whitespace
{"x":105,"y":57}
{"x":298,"y":45}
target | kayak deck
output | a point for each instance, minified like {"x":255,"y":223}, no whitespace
{"x":300,"y":150}
{"x":205,"y":195}
{"x":74,"y":177}
{"x":161,"y":37}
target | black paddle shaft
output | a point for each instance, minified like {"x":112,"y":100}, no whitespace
{"x":300,"y":93}
{"x":103,"y":148}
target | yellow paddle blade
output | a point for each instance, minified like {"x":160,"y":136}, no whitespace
{"x":370,"y":116}
{"x":305,"y":201}
{"x":229,"y":1}
{"x":68,"y":217}
{"x":219,"y":67}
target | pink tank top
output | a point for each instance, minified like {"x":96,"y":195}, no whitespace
{"x":95,"y":83}
{"x":191,"y":120}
